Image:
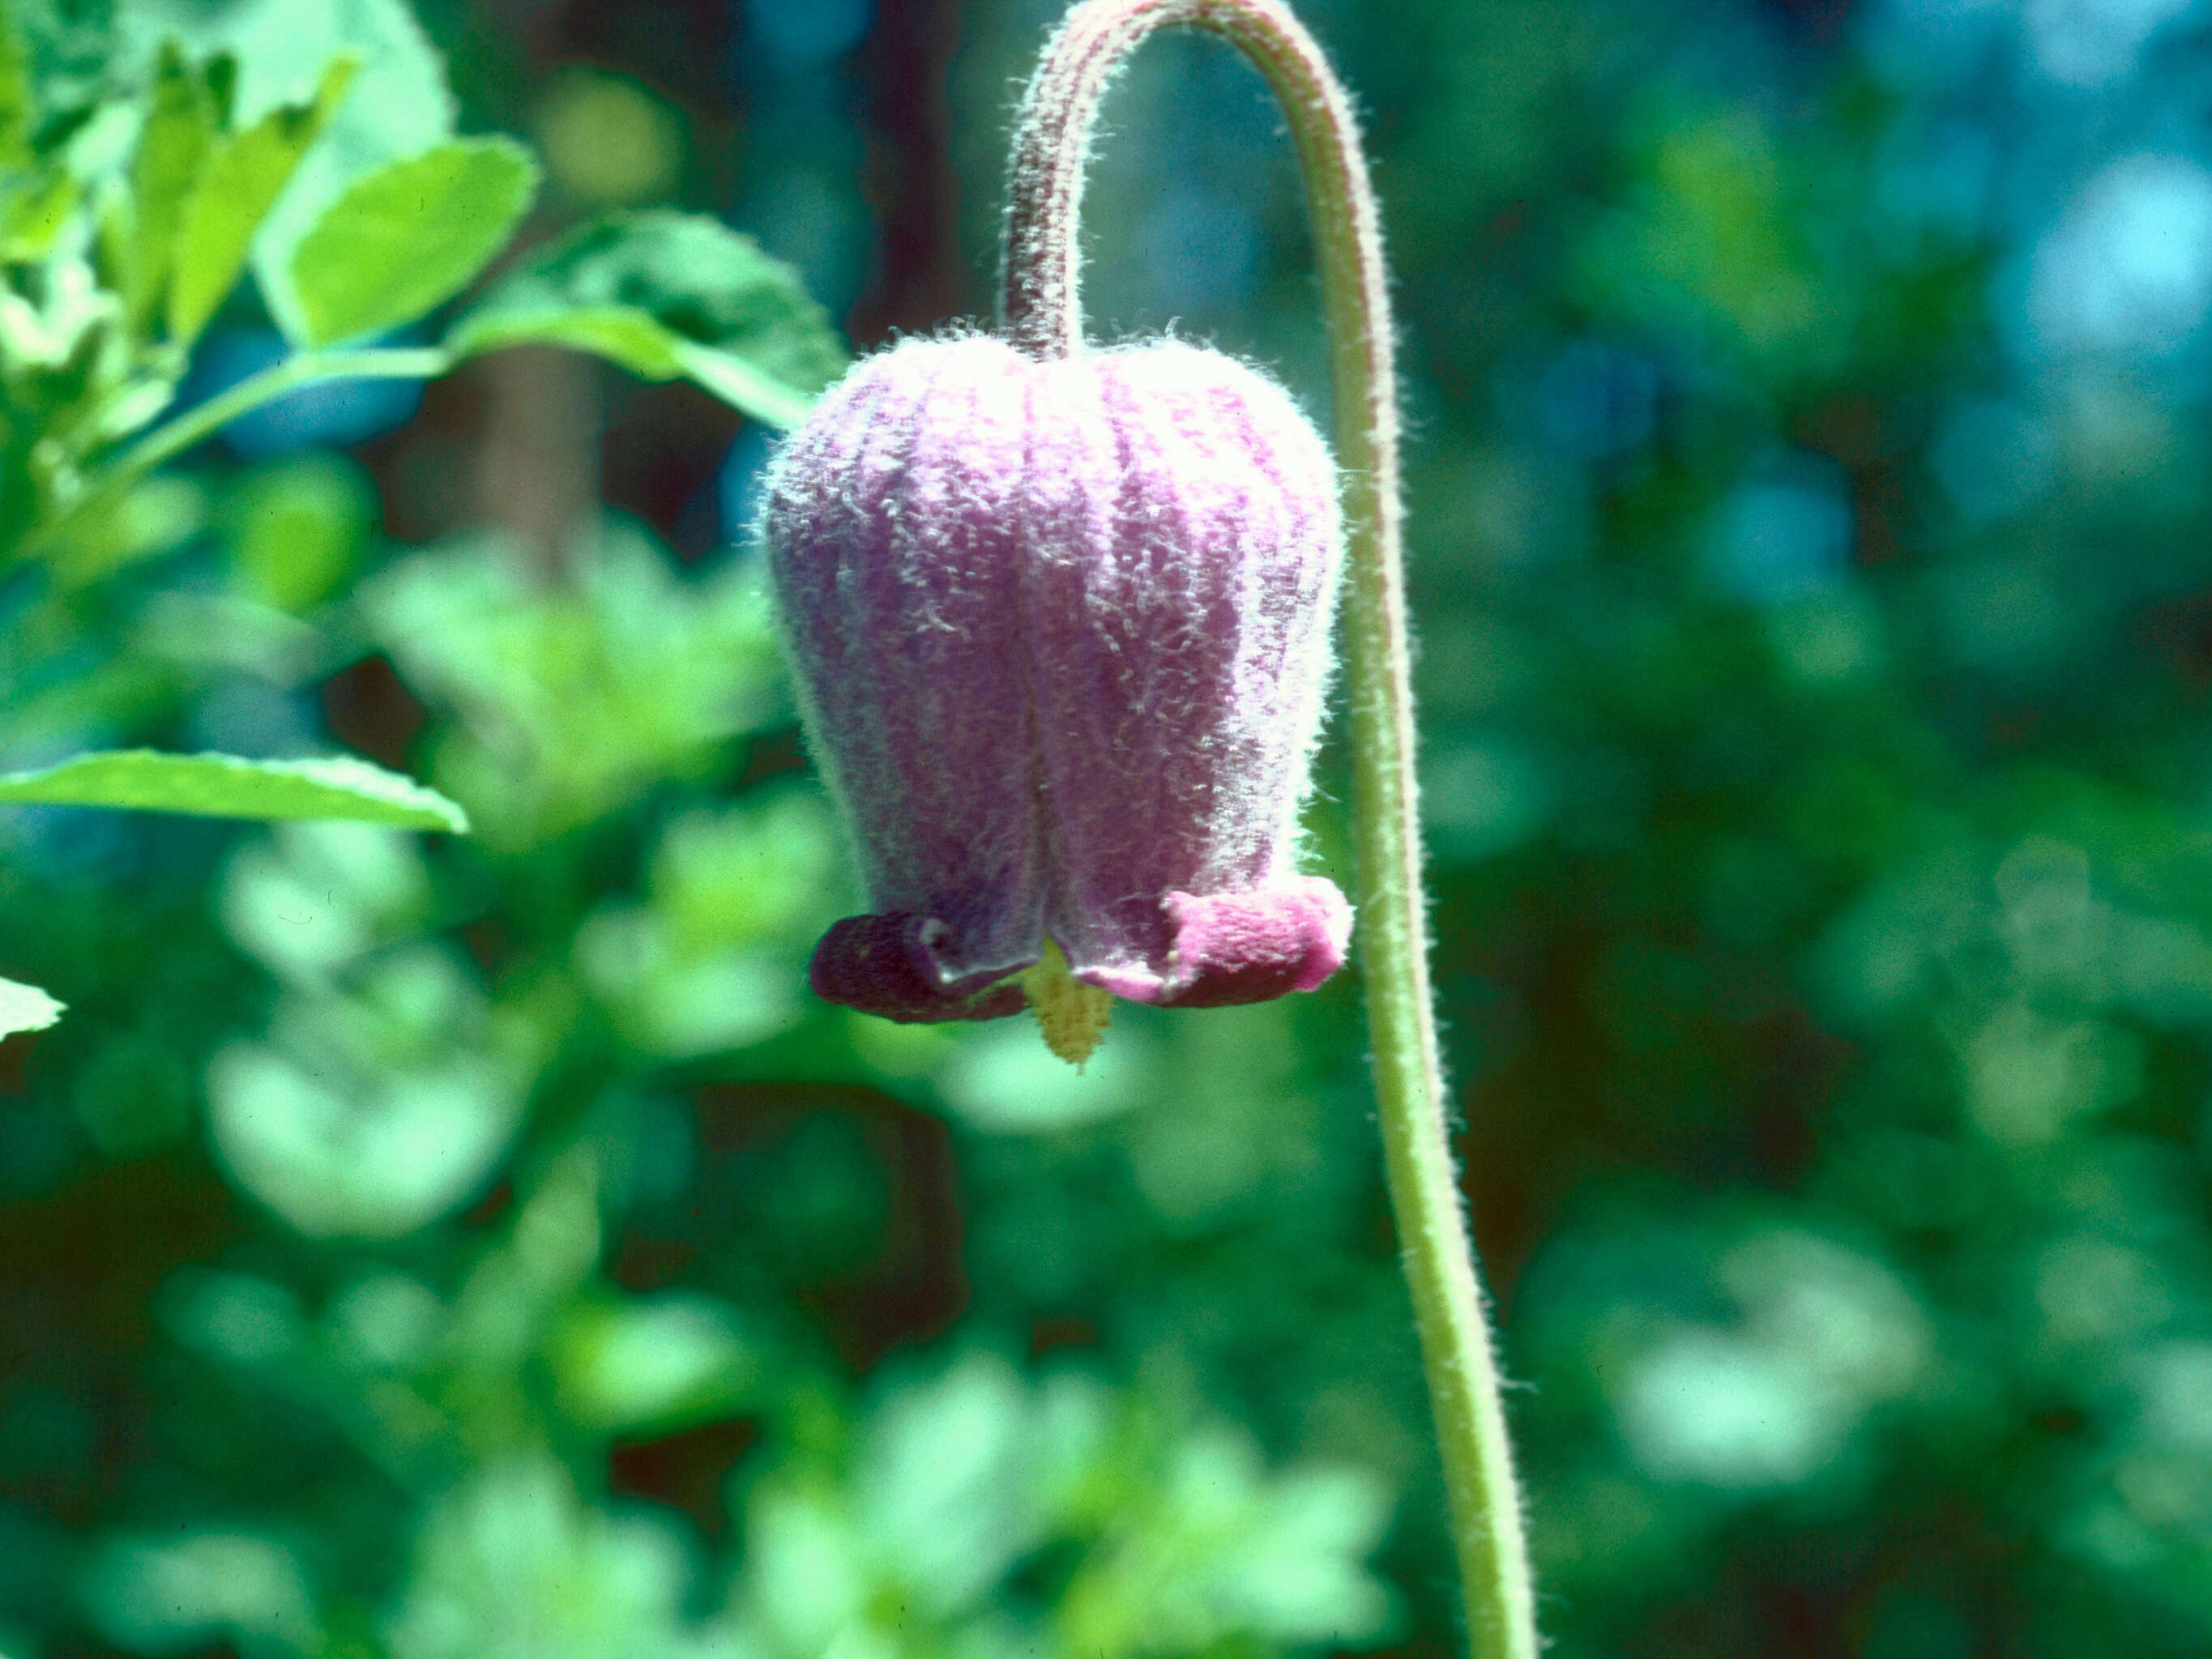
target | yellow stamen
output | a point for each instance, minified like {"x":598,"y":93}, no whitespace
{"x":1071,"y":1015}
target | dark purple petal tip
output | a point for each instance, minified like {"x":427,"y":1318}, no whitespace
{"x":1232,"y":948}
{"x":893,"y":965}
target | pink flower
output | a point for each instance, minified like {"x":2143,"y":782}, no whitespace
{"x":1062,"y":632}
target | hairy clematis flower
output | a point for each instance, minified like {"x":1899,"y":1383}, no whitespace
{"x":1062,"y":630}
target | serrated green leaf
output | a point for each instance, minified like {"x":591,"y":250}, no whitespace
{"x":241,"y":182}
{"x":664,"y":294}
{"x":182,"y":120}
{"x":224,"y":787}
{"x":409,"y":237}
{"x":25,"y":1008}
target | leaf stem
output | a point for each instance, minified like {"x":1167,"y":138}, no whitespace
{"x":1041,"y":313}
{"x":306,"y":368}
{"x":202,"y":421}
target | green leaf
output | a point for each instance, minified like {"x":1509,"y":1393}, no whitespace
{"x":153,"y":517}
{"x":223,"y":787}
{"x":653,"y":1365}
{"x":740,"y":383}
{"x":34,"y":209}
{"x":665,"y":293}
{"x":18,"y":111}
{"x":240,"y":183}
{"x":68,"y":51}
{"x":24,"y":1008}
{"x":410,"y":236}
{"x":399,"y":105}
{"x":618,"y":333}
{"x":181,"y":125}
{"x":297,"y":527}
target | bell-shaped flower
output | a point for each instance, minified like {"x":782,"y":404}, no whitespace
{"x":1061,"y":630}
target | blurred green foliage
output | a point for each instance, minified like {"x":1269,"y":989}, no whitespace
{"x":420,"y":1246}
{"x":138,"y":194}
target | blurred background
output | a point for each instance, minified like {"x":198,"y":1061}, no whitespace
{"x":450,"y":1249}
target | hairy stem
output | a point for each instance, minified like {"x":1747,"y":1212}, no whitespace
{"x":1043,"y":314}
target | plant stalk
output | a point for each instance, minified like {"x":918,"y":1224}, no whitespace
{"x":202,"y":421}
{"x":1043,"y":313}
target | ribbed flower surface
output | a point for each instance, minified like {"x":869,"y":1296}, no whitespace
{"x":1062,"y":633}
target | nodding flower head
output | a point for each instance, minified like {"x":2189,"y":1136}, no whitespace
{"x":1062,"y":630}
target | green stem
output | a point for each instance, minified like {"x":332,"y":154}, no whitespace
{"x":1043,"y":314}
{"x":202,"y":421}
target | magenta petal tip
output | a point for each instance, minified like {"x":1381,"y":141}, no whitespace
{"x":1231,"y":948}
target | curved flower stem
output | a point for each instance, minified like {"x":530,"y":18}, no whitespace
{"x":1043,"y":314}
